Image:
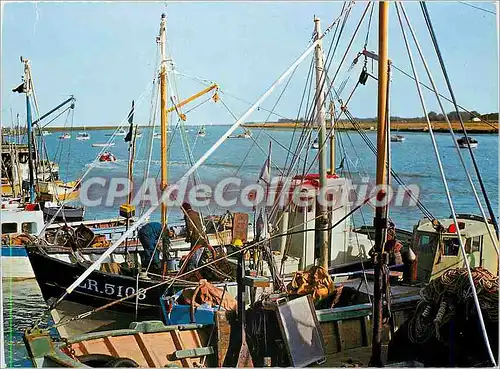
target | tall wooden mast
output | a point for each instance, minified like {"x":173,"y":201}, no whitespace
{"x":321,"y":123}
{"x":29,"y":119}
{"x":163,"y":112}
{"x":380,"y":221}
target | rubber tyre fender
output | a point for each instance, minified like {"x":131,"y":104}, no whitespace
{"x":96,"y":360}
{"x":122,"y":362}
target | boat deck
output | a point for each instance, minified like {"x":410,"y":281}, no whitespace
{"x":397,"y":290}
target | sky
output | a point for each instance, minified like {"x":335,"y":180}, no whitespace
{"x":105,"y":53}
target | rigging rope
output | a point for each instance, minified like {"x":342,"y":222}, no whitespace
{"x":443,"y":177}
{"x":452,"y":94}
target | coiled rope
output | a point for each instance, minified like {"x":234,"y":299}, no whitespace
{"x":442,"y":297}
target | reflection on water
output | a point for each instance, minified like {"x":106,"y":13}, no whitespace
{"x":23,"y":305}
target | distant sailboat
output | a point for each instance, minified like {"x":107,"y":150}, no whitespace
{"x":65,"y":136}
{"x":46,"y":133}
{"x":202,"y":132}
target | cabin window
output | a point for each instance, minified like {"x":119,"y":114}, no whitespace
{"x":451,"y":246}
{"x":9,"y":227}
{"x":476,"y":243}
{"x":473,"y":244}
{"x":29,"y":227}
{"x":426,"y":241}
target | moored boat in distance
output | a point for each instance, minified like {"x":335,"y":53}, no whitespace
{"x":83,"y":136}
{"x":315,"y":144}
{"x":398,"y":138}
{"x":107,"y":156}
{"x":246,"y":134}
{"x":110,"y":144}
{"x":202,"y":132}
{"x":65,"y":136}
{"x":68,"y":213}
{"x":46,"y":133}
{"x":465,"y":142}
{"x":121,"y":132}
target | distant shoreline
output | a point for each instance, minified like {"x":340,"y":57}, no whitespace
{"x":472,"y":127}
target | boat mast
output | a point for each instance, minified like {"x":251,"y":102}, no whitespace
{"x":380,"y":221}
{"x":28,"y":91}
{"x":321,"y":123}
{"x":332,"y":138}
{"x":163,"y":116}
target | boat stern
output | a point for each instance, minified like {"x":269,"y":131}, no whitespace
{"x":42,"y":351}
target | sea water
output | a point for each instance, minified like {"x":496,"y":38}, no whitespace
{"x":414,"y":160}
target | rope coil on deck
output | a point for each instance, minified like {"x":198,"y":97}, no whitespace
{"x":442,"y":297}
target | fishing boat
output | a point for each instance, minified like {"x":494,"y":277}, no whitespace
{"x":15,"y":220}
{"x":65,"y":136}
{"x":466,"y":142}
{"x":46,"y":133}
{"x":107,"y":144}
{"x":107,"y":156}
{"x":83,"y":136}
{"x":398,"y":138}
{"x":15,"y":168}
{"x":20,"y":224}
{"x":315,"y":144}
{"x":157,"y":135}
{"x":26,"y":167}
{"x":67,"y":213}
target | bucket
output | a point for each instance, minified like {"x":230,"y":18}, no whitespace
{"x":173,"y":264}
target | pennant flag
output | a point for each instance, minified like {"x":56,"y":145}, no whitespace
{"x":128,"y":137}
{"x":20,"y":89}
{"x":265,"y":172}
{"x":261,"y":225}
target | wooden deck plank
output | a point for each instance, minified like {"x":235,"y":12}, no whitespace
{"x":150,"y":359}
{"x":83,"y":348}
{"x":111,"y":347}
{"x":179,"y":345}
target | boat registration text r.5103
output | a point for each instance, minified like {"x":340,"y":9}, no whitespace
{"x":111,"y":289}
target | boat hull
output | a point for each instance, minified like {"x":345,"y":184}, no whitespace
{"x":69,"y":213}
{"x":465,"y":146}
{"x":16,"y":265}
{"x":97,"y":290}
